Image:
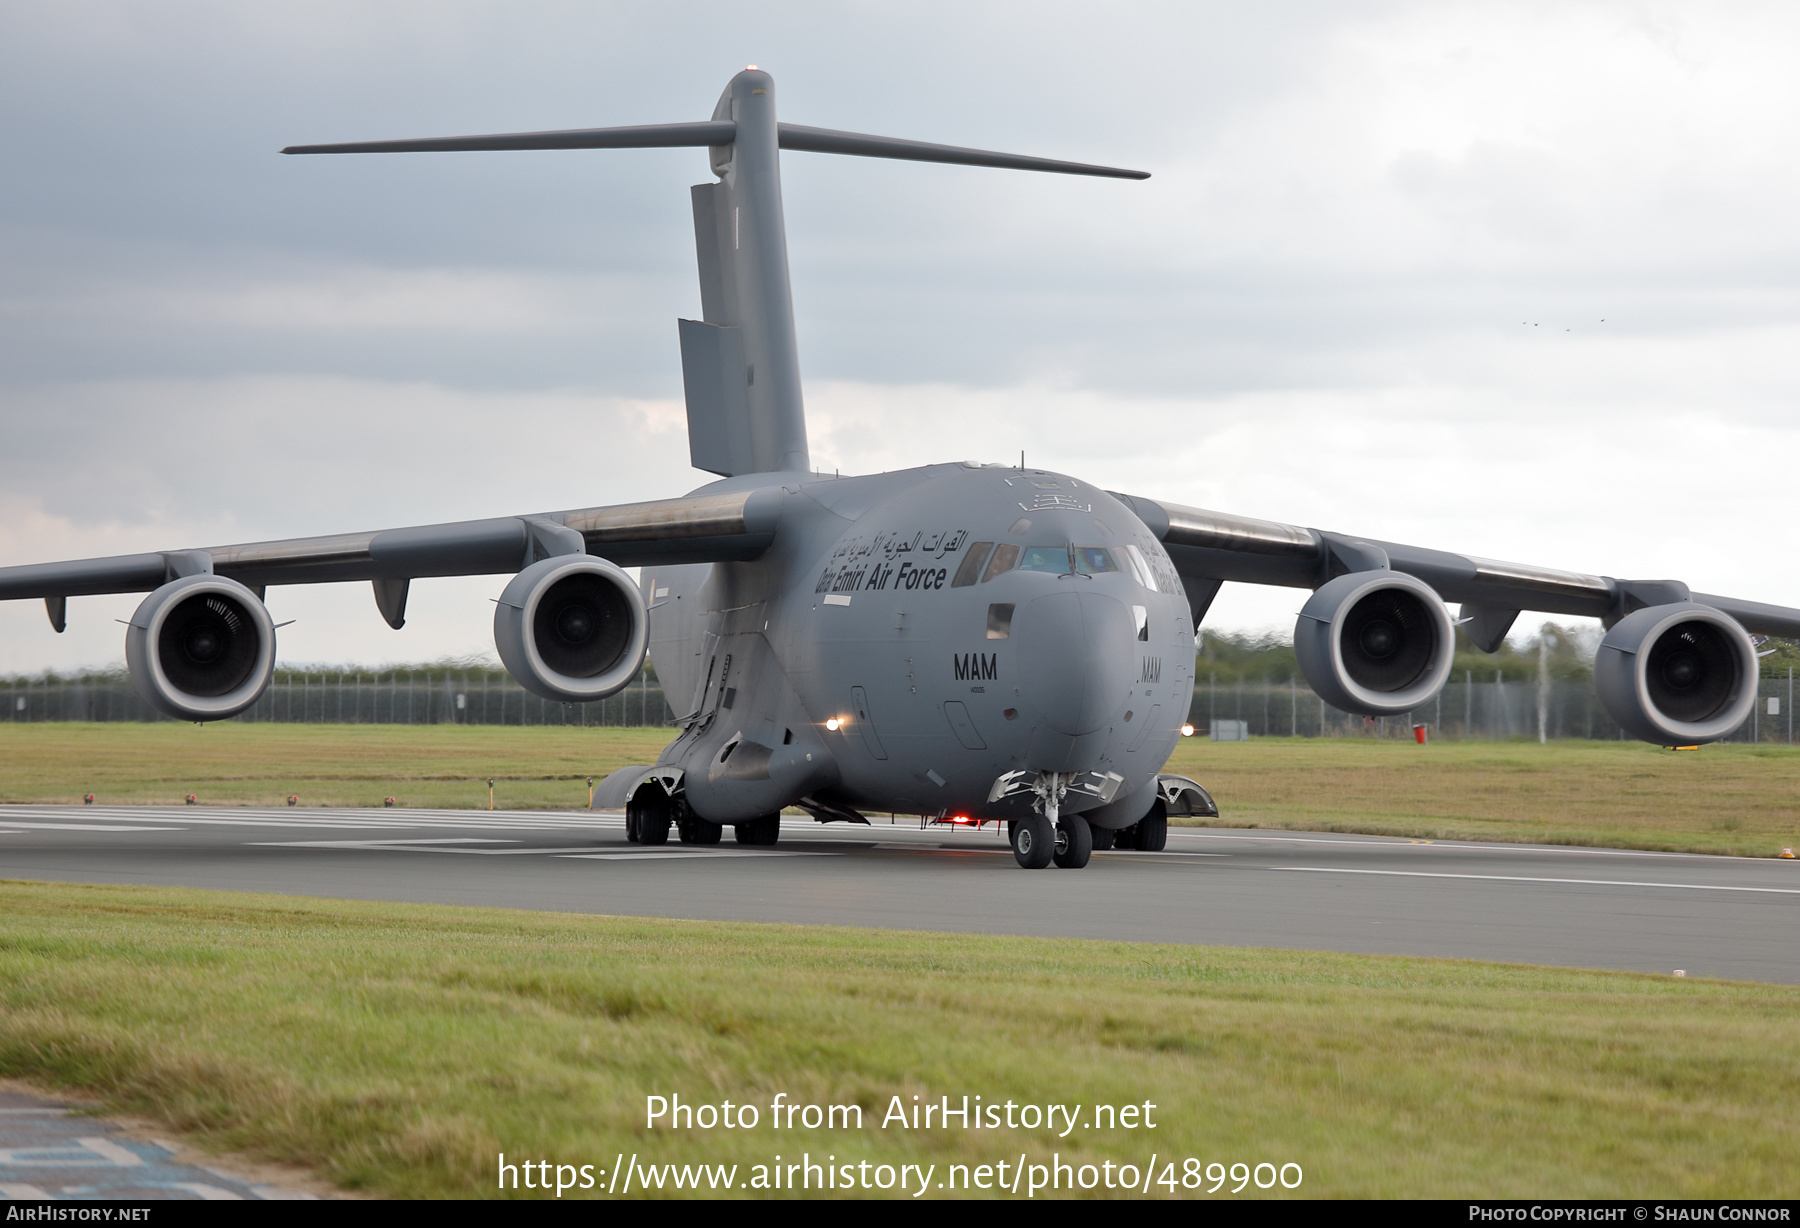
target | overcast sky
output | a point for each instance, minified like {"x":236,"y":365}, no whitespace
{"x":1509,"y":279}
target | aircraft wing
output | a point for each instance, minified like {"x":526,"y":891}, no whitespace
{"x":700,"y":528}
{"x":1208,"y":548}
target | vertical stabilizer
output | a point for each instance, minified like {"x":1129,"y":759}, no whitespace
{"x":741,"y":363}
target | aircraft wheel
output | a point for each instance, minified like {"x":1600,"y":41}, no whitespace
{"x":1125,"y":837}
{"x":766,"y":830}
{"x":1103,"y":837}
{"x":699,"y":831}
{"x":1153,"y":831}
{"x":653,"y":827}
{"x":1074,"y":842}
{"x":1033,"y":842}
{"x":631,"y":823}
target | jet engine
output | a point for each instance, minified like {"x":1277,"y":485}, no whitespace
{"x":572,"y":628}
{"x":1677,"y":674}
{"x":1377,"y":643}
{"x":201,"y":648}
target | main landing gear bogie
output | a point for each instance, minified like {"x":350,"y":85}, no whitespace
{"x":695,"y":830}
{"x":763,"y":831}
{"x":652,"y":813}
{"x":1148,"y":835}
{"x":648,"y":817}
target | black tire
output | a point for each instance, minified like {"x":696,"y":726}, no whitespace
{"x":1103,"y":837}
{"x":763,"y":831}
{"x":699,"y":831}
{"x":653,"y":826}
{"x":1125,"y":837}
{"x":1074,"y":842}
{"x":631,"y":822}
{"x":1153,"y":830}
{"x":1033,"y":842}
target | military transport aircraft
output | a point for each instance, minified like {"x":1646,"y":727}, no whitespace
{"x":963,"y":641}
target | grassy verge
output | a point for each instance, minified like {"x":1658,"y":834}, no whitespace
{"x":1736,"y":799}
{"x":233,"y":764}
{"x":398,"y":1049}
{"x":1722,"y":799}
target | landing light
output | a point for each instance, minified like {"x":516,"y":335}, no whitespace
{"x":834,"y":724}
{"x":1187,"y":731}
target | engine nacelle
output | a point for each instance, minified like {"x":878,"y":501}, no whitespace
{"x":201,"y":648}
{"x":572,"y":628}
{"x":1677,"y":674}
{"x":1377,"y":643}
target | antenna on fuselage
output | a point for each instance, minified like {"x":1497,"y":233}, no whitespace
{"x":740,"y":362}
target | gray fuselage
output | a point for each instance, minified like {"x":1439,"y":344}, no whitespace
{"x":954,"y":622}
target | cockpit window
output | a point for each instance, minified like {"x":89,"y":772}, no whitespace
{"x":1140,"y":568}
{"x":1006,"y":557}
{"x":1091,"y":560}
{"x":971,"y":565}
{"x":1046,"y":558}
{"x":1057,"y":560}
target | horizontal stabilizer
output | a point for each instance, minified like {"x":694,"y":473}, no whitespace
{"x":724,"y":132}
{"x":635,"y":136}
{"x":861,"y":145}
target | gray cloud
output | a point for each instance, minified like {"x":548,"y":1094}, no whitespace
{"x":1364,"y":288}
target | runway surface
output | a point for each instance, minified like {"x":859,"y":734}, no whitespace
{"x":1592,"y":908}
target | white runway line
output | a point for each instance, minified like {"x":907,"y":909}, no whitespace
{"x":669,"y":856}
{"x":922,"y":847}
{"x":453,"y":845}
{"x":1134,"y":855}
{"x":1401,"y":842}
{"x":1519,"y":878}
{"x":358,"y":844}
{"x":324,"y":820}
{"x":12,"y":823}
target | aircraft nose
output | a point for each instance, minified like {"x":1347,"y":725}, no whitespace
{"x":1075,"y":659}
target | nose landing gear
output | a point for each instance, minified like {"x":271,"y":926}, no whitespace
{"x":1047,"y":836}
{"x":1074,"y":842}
{"x":1033,"y":841}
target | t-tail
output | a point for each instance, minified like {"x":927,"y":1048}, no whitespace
{"x":740,"y":361}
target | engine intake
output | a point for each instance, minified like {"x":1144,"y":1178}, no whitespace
{"x":201,"y":648}
{"x":1677,"y":674}
{"x":572,"y":628}
{"x":1377,"y":643}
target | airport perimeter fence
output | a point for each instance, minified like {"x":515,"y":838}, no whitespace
{"x":1469,"y":707}
{"x":349,"y":697}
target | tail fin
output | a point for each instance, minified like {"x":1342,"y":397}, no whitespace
{"x":740,"y":362}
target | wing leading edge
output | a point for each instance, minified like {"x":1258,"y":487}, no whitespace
{"x":1209,"y":548}
{"x":705,"y":528}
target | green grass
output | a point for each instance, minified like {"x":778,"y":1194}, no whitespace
{"x":1737,"y":799}
{"x":233,"y":764}
{"x":396,"y":1049}
{"x":1728,"y":798}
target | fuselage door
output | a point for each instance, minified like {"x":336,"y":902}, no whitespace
{"x":859,"y":701}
